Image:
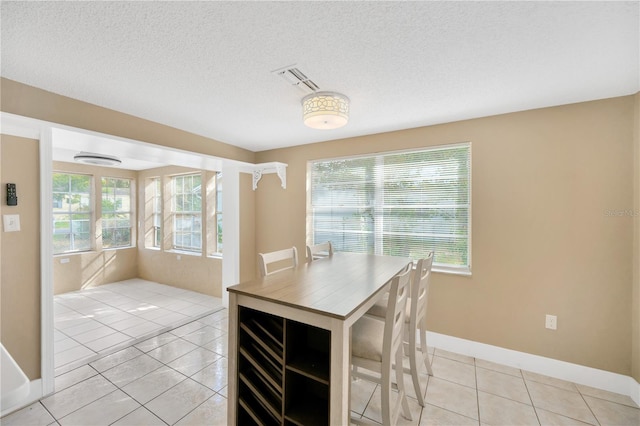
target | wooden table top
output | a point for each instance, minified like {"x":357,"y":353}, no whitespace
{"x":335,"y":286}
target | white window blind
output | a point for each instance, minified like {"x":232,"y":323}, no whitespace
{"x":401,"y":204}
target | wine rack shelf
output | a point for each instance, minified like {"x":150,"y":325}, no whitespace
{"x":283,"y":371}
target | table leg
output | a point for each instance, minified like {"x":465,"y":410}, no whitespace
{"x":340,"y":378}
{"x":232,"y":369}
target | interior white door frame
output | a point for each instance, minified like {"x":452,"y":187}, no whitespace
{"x":43,"y":131}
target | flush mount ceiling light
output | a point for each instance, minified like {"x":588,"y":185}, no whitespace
{"x":96,"y":159}
{"x":325,"y":110}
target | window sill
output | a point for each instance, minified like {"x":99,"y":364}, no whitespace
{"x":92,"y":251}
{"x":463,"y":271}
{"x":74,"y":253}
{"x":185,"y":252}
{"x":215,"y":256}
{"x":118,"y":248}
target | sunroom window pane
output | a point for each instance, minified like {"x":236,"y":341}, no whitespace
{"x":71,"y":212}
{"x":116,"y":212}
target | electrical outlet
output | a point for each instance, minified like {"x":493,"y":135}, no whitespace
{"x":551,"y":322}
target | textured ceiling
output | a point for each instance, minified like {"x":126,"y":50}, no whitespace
{"x":206,"y":67}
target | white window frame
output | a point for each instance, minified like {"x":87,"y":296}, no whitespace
{"x":175,"y":214}
{"x":218,"y":214}
{"x":156,"y":212}
{"x":117,"y":211}
{"x":213,"y":210}
{"x":375,"y":228}
{"x":90,"y":213}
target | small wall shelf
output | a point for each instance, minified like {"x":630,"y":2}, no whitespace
{"x":257,"y":170}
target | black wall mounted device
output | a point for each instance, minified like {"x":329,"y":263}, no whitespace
{"x":12,"y":198}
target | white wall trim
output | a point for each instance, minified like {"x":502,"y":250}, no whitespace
{"x":47,"y":365}
{"x":26,"y":127}
{"x":230,"y":228}
{"x":43,"y":131}
{"x":575,"y":373}
{"x":35,"y":393}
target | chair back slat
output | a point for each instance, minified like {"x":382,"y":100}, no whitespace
{"x":319,"y":251}
{"x":394,"y":321}
{"x":420,"y":289}
{"x":280,"y":256}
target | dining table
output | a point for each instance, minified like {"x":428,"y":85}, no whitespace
{"x":290,"y":338}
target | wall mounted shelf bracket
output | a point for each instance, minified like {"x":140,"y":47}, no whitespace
{"x":265,"y":168}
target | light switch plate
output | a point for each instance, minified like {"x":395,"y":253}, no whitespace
{"x":11,"y":222}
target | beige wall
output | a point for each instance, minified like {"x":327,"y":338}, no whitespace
{"x":542,"y":242}
{"x":98,"y":266}
{"x":93,"y":268}
{"x":191,"y":272}
{"x":20,"y":99}
{"x":542,"y":181}
{"x":20,"y":255}
{"x":635,"y":329}
{"x":21,"y":314}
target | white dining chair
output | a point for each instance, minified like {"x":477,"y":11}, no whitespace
{"x":319,"y":251}
{"x":283,"y":259}
{"x":415,"y":323}
{"x":376,"y":345}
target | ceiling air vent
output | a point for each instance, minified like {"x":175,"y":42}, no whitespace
{"x":295,"y":77}
{"x":96,"y":159}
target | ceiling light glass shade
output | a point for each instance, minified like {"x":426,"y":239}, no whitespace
{"x":325,"y":110}
{"x":96,"y":159}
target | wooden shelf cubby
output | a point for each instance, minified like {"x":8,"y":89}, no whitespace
{"x":283,"y":371}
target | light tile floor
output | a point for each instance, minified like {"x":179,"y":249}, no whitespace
{"x":180,"y":377}
{"x":94,"y":322}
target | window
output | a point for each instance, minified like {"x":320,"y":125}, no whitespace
{"x":219,"y":212}
{"x":214,"y":213}
{"x":72,"y":213}
{"x":187,"y":212}
{"x":402,"y":204}
{"x":116,"y":212}
{"x":156,"y":211}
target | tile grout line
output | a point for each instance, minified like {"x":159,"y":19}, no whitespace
{"x":588,"y":406}
{"x":198,"y":406}
{"x":163,"y":365}
{"x":47,"y":410}
{"x":136,"y":340}
{"x":145,"y":375}
{"x":554,"y":412}
{"x":475,"y":376}
{"x":526,"y":386}
{"x":220,"y":318}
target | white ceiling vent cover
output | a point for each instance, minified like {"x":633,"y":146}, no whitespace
{"x":96,"y":159}
{"x":293,"y":76}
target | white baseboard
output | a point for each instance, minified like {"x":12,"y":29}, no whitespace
{"x":575,"y":373}
{"x":35,"y":393}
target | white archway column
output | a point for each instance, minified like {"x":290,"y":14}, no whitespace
{"x":230,"y":228}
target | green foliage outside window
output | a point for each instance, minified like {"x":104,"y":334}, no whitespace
{"x":72,"y":214}
{"x":402,"y":204}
